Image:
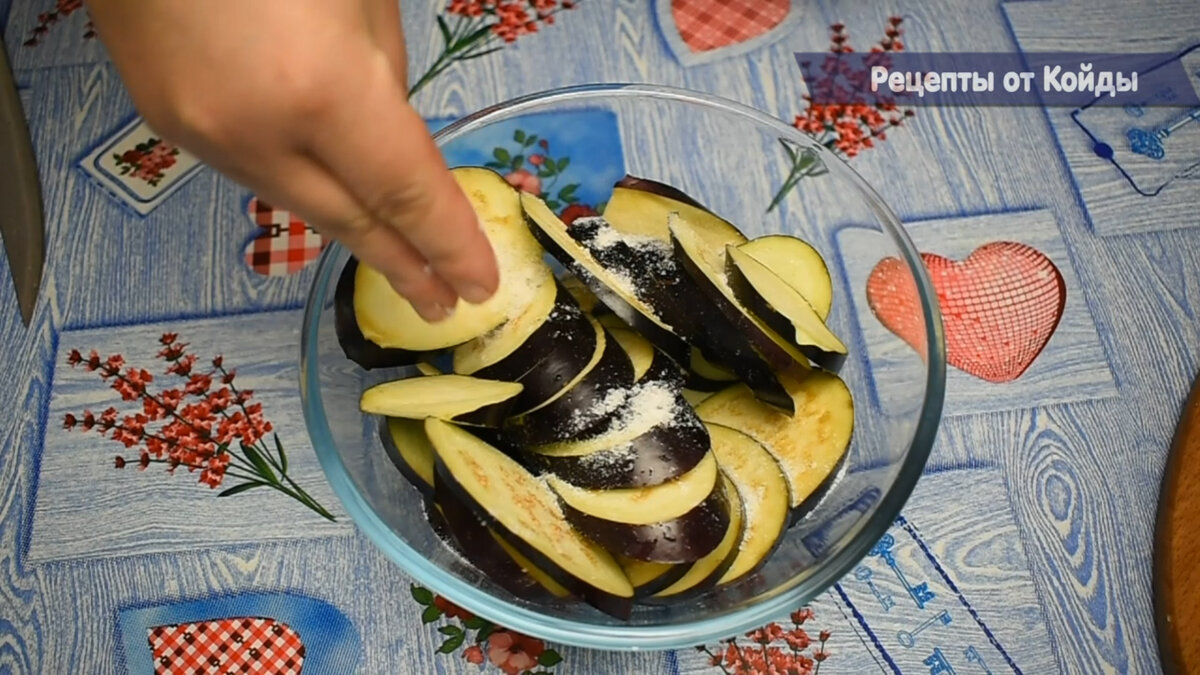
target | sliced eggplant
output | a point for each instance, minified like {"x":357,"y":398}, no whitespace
{"x":354,"y":345}
{"x":648,"y":577}
{"x":679,"y":540}
{"x":703,"y":375}
{"x":661,"y":454}
{"x":584,"y":297}
{"x":615,"y":460}
{"x":798,"y":264}
{"x":459,"y":398}
{"x":650,"y":405}
{"x":553,"y":587}
{"x":702,"y":575}
{"x":483,"y":549}
{"x":618,"y":291}
{"x":664,"y":523}
{"x":387,"y":319}
{"x":526,"y":514}
{"x":783,"y":308}
{"x":810,"y":445}
{"x":760,"y":482}
{"x":643,"y":506}
{"x":408,"y":447}
{"x":426,"y":368}
{"x":650,"y":364}
{"x":744,"y":344}
{"x":611,"y":320}
{"x":578,"y":407}
{"x":694,"y":397}
{"x":640,"y":207}
{"x":553,"y":328}
{"x":490,"y":350}
{"x":641,"y":352}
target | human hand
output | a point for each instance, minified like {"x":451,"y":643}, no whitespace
{"x":305,"y":102}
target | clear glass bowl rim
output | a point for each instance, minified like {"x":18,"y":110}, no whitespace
{"x":619,"y":637}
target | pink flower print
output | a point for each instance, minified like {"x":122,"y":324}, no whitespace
{"x":523,"y":180}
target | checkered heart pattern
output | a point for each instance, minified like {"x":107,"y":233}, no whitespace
{"x":286,"y":243}
{"x":227,"y":646}
{"x":1000,"y":306}
{"x":705,"y":25}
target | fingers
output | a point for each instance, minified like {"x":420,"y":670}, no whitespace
{"x":311,"y":192}
{"x":387,"y":31}
{"x":383,"y":154}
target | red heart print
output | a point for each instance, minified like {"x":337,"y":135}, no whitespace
{"x":1000,"y":306}
{"x":705,"y":25}
{"x":237,"y":645}
{"x":286,"y":243}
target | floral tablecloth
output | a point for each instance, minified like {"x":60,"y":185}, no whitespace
{"x":172,"y":297}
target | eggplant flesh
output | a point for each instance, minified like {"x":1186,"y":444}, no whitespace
{"x":647,"y":505}
{"x":664,"y":453}
{"x":350,"y":338}
{"x":679,"y":540}
{"x":782,"y":308}
{"x":809,"y":445}
{"x":459,"y":398}
{"x":763,"y":488}
{"x":617,"y":291}
{"x":389,"y":320}
{"x":480,"y":545}
{"x":703,"y":574}
{"x":798,"y":264}
{"x":526,"y":514}
{"x":408,"y":447}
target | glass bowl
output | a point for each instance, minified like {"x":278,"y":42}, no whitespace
{"x":734,"y":160}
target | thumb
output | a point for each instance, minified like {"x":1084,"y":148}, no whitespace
{"x":380,"y":149}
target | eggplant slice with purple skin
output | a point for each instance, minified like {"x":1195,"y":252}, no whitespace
{"x":408,"y":447}
{"x":488,"y":552}
{"x":679,"y":521}
{"x":641,"y":206}
{"x":704,"y":574}
{"x":661,"y":454}
{"x":652,"y":436}
{"x":760,"y":482}
{"x":703,"y":375}
{"x":783,"y":308}
{"x":648,"y":577}
{"x":542,"y":348}
{"x":457,"y":398}
{"x":594,"y":404}
{"x":810,"y":444}
{"x":564,"y":415}
{"x":350,"y":338}
{"x":798,"y":264}
{"x":617,"y":291}
{"x":525,"y":513}
{"x":389,"y":320}
{"x":747,"y":346}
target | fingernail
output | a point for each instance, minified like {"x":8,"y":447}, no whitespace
{"x":475,"y":294}
{"x":433,"y":311}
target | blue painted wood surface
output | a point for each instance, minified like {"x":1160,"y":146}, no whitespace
{"x":1075,"y":479}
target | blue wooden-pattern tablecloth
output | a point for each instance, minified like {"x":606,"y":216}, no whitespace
{"x":1026,"y":547}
